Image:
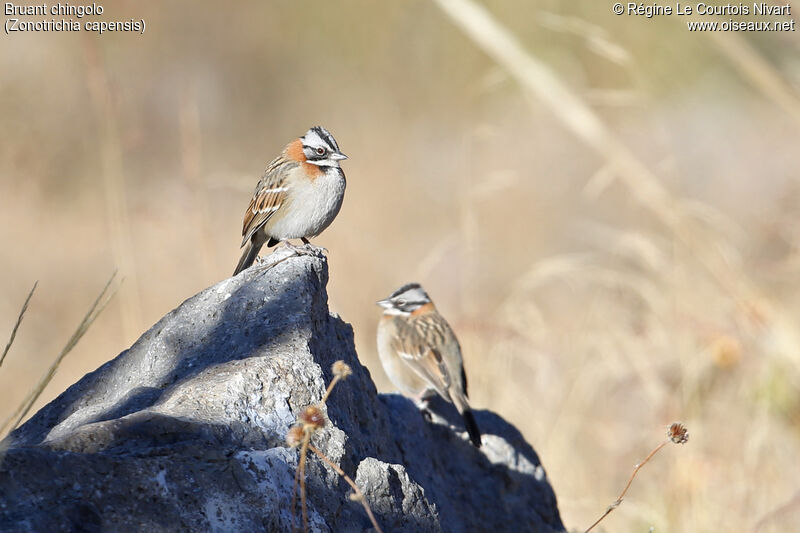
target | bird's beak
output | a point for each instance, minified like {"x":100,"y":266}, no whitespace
{"x":386,"y":304}
{"x":338,"y":156}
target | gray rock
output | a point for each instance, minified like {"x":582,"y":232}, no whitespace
{"x":185,"y":431}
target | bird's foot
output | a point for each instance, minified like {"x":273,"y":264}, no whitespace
{"x":313,"y":250}
{"x":305,"y":249}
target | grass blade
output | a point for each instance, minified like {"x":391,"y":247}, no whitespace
{"x":94,"y":311}
{"x":16,"y":326}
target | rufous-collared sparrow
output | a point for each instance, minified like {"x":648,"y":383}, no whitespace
{"x":420,"y":352}
{"x":298,"y":196}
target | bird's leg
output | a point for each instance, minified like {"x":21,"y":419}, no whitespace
{"x":288,"y":244}
{"x":316,"y":250}
{"x":306,"y":249}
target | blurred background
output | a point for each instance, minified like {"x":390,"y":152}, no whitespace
{"x":601,"y":290}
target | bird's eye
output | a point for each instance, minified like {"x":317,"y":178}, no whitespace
{"x":400,"y":301}
{"x":320,"y":151}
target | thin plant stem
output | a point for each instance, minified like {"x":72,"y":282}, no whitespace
{"x":111,"y":157}
{"x":628,"y":485}
{"x":310,"y":421}
{"x":299,"y":476}
{"x":332,"y":384}
{"x":294,"y":495}
{"x":302,"y":468}
{"x":16,"y":326}
{"x":350,"y":482}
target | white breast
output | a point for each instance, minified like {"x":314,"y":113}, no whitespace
{"x":310,"y":208}
{"x":402,"y":376}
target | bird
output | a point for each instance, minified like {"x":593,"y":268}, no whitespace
{"x":420,"y":352}
{"x":298,"y":196}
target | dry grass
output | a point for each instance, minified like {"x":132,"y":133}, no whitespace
{"x":310,"y":421}
{"x":24,"y":408}
{"x":609,"y":297}
{"x":677,"y":434}
{"x":17,"y":323}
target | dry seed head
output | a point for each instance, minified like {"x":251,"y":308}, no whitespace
{"x":341,"y":369}
{"x":295,"y":436}
{"x":312,"y":417}
{"x":677,"y":433}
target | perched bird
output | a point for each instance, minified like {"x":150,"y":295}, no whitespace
{"x":298,"y":196}
{"x":420,"y":352}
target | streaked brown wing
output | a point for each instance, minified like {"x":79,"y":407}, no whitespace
{"x":420,"y":342}
{"x":268,"y":197}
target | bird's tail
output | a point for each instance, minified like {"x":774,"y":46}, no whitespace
{"x":472,"y":427}
{"x":460,"y":401}
{"x":249,"y":255}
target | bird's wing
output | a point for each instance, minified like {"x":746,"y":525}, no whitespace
{"x":421,"y":344}
{"x":269,"y":196}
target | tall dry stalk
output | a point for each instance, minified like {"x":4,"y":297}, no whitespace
{"x":310,"y":421}
{"x":676,"y":434}
{"x":116,"y":201}
{"x":192,"y":162}
{"x":568,"y":107}
{"x":541,"y":81}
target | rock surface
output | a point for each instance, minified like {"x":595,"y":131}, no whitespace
{"x":185,"y":431}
